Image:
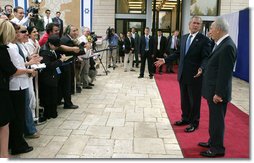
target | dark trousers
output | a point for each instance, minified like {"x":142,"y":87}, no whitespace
{"x":149,"y":59}
{"x":159,"y":54}
{"x":217,"y":113}
{"x":65,"y":84}
{"x":136,"y":58}
{"x":17,"y":141}
{"x":49,"y":98}
{"x":190,"y":102}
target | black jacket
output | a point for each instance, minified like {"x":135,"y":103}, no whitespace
{"x":218,"y":73}
{"x":49,"y":75}
{"x":128,"y":45}
{"x":195,"y":58}
{"x":143,"y":45}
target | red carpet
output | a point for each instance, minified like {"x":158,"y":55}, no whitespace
{"x":236,"y":140}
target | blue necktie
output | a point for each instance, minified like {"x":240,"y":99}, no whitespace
{"x":188,"y":43}
{"x":147,"y":43}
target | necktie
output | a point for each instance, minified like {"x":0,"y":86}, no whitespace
{"x":147,"y":43}
{"x":21,"y":53}
{"x":215,"y":46}
{"x":159,"y":42}
{"x":188,"y":43}
{"x":175,"y":42}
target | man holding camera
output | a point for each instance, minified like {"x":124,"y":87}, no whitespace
{"x":112,"y":38}
{"x":19,"y":17}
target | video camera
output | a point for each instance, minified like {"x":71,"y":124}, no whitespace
{"x":109,"y":32}
{"x":33,"y":10}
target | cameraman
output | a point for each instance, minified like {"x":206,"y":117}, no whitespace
{"x":112,"y":38}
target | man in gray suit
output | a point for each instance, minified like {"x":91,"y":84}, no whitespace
{"x":217,"y":86}
{"x":136,"y":38}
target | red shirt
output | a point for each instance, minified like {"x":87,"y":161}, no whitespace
{"x":44,"y":39}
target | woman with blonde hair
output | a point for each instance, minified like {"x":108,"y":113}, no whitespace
{"x":7,"y":69}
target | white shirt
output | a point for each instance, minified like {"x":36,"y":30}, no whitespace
{"x":133,"y":35}
{"x":31,"y":46}
{"x":24,"y":21}
{"x":159,"y":43}
{"x":172,"y":46}
{"x":20,"y":81}
{"x":193,"y":36}
{"x":221,"y":39}
{"x":83,"y":38}
{"x":47,"y":21}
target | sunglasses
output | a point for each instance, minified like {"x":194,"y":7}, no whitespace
{"x":23,"y":31}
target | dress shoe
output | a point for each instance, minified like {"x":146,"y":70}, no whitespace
{"x":90,"y":84}
{"x":109,"y":66}
{"x":204,"y":144}
{"x":60,"y":103}
{"x":151,"y":77}
{"x":181,"y":123}
{"x":141,"y":77}
{"x":87,"y":87}
{"x":132,"y":70}
{"x":171,"y":71}
{"x":33,"y":136}
{"x":71,"y":107}
{"x":190,"y":128}
{"x":210,"y":153}
{"x":22,"y":150}
{"x":137,"y":66}
{"x":160,"y":73}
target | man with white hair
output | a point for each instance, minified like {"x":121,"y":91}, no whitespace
{"x":217,"y":86}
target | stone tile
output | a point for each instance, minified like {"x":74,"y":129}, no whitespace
{"x":122,"y":133}
{"x":117,"y":155}
{"x":74,"y":145}
{"x":95,"y":120}
{"x":99,"y":131}
{"x":145,"y":130}
{"x":51,"y":150}
{"x":131,"y":116}
{"x":42,"y":141}
{"x":100,"y":142}
{"x":149,"y":145}
{"x":56,"y":132}
{"x":164,"y":156}
{"x":70,"y":125}
{"x":115,"y":122}
{"x":123,"y":146}
{"x":166,"y":133}
{"x":97,"y":152}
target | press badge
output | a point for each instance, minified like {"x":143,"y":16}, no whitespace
{"x":58,"y":71}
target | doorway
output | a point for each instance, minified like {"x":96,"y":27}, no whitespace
{"x":125,"y":25}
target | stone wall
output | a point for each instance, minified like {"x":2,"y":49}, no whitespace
{"x":230,"y":6}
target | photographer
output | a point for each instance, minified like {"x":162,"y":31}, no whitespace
{"x":112,"y":38}
{"x":85,"y":63}
{"x":36,"y":20}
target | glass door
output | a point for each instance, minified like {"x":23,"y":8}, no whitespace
{"x":125,"y":25}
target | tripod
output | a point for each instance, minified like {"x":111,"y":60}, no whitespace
{"x":100,"y":59}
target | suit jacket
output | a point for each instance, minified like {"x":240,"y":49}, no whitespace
{"x":143,"y":45}
{"x":49,"y":75}
{"x":219,"y":71}
{"x":56,"y":20}
{"x":169,"y":42}
{"x":163,"y":44}
{"x":195,"y":58}
{"x":136,"y":42}
{"x":128,"y":45}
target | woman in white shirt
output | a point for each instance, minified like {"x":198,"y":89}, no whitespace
{"x":18,"y":86}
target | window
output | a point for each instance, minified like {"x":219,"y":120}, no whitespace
{"x":130,"y":6}
{"x":204,"y":8}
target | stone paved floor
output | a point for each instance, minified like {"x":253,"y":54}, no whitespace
{"x":121,"y":117}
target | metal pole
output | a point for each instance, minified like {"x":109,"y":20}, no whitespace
{"x":154,"y":12}
{"x":178,"y":15}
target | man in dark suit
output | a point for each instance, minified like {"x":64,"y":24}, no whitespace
{"x":136,"y":38}
{"x":146,"y":52}
{"x":128,"y":52}
{"x":59,"y":21}
{"x":160,"y":43}
{"x":67,"y":76}
{"x":195,"y":48}
{"x":217,"y":86}
{"x":173,"y":49}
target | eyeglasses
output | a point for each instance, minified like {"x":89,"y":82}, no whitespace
{"x":23,"y":31}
